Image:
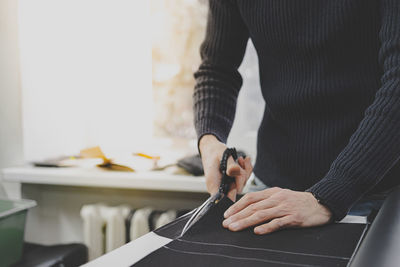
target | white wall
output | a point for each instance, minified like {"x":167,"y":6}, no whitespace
{"x":85,"y":75}
{"x":10,"y":91}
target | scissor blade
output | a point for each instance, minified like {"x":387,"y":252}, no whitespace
{"x":200,"y":211}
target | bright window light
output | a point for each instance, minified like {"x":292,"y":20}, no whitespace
{"x":86,"y":75}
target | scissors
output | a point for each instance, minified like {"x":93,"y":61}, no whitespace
{"x":226,"y":181}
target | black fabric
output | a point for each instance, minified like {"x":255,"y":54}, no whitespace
{"x":207,"y":243}
{"x":330,"y":78}
{"x":68,"y":255}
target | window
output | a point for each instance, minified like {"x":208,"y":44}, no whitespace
{"x":117,"y":73}
{"x":86,"y":75}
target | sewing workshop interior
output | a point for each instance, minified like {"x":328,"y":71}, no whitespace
{"x":199,"y":133}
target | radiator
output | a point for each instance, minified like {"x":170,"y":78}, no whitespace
{"x":106,"y":228}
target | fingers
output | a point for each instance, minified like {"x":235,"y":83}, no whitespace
{"x":274,"y":225}
{"x":240,"y":181}
{"x":257,"y":217}
{"x":232,"y":168}
{"x":248,"y":211}
{"x":247,"y":165}
{"x":284,"y":207}
{"x":248,"y":199}
{"x":213,"y":181}
{"x":241,"y":162}
{"x":245,"y":171}
{"x":211,"y":152}
{"x":232,"y":192}
{"x":240,"y":170}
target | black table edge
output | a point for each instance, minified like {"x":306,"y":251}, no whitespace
{"x":381,"y":246}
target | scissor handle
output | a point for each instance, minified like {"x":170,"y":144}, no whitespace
{"x":226,"y":180}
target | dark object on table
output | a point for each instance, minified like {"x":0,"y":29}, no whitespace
{"x":193,"y":164}
{"x":48,"y":164}
{"x":69,"y":255}
{"x":57,"y":162}
{"x":381,"y":245}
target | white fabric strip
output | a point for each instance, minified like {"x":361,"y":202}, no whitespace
{"x":132,"y":252}
{"x":354,"y":219}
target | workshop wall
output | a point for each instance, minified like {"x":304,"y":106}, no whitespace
{"x":10,"y":90}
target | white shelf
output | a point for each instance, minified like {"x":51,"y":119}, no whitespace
{"x":94,"y":177}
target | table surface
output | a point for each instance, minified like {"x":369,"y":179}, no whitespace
{"x":141,"y":247}
{"x":380,"y":247}
{"x":96,"y":177}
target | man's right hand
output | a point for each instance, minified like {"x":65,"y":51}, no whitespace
{"x":211,"y":153}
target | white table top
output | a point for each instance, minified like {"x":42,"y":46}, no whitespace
{"x":96,"y":177}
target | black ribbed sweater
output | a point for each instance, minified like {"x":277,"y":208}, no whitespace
{"x":330,"y":78}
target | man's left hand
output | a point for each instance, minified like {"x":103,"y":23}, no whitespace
{"x":279,"y":208}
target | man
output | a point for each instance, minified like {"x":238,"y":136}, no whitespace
{"x":330,"y":77}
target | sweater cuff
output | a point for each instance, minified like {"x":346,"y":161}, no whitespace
{"x":214,"y":126}
{"x":337,"y":193}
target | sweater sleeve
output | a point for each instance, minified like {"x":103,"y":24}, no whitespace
{"x":375,"y":146}
{"x":217,"y":80}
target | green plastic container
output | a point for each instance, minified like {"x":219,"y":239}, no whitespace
{"x":12,"y":227}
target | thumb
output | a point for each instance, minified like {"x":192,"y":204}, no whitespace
{"x":247,"y":164}
{"x":232,"y":192}
{"x":232,"y":169}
